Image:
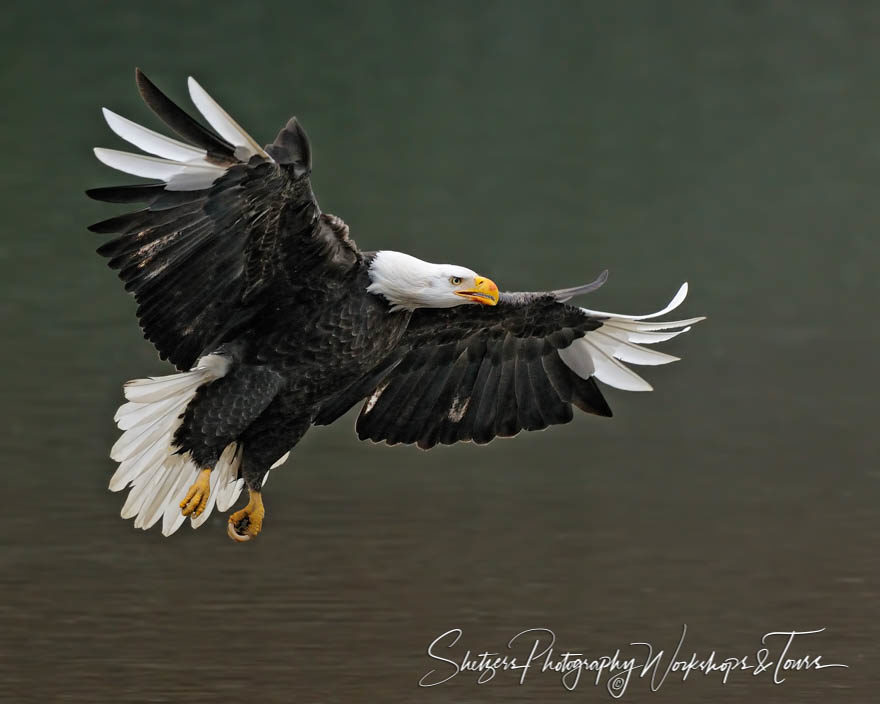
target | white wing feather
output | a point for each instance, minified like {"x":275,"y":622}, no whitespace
{"x":220,"y":120}
{"x":601,"y":352}
{"x":153,"y":142}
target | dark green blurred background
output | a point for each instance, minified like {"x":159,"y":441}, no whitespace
{"x":731,"y":144}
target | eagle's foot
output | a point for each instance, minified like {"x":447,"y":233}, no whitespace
{"x":197,"y":496}
{"x":247,"y":523}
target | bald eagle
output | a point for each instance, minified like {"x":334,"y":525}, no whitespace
{"x":276,"y":322}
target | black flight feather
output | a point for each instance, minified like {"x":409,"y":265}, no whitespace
{"x":140,"y":193}
{"x":219,"y":150}
{"x":587,"y":397}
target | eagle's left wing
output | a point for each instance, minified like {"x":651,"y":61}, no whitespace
{"x":230,"y":227}
{"x":479,"y":372}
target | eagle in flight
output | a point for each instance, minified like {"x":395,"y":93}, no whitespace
{"x":276,"y":322}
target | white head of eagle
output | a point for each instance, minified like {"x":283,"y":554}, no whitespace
{"x":409,"y":283}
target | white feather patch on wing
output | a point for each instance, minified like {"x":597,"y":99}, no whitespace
{"x":220,"y":120}
{"x":149,"y":461}
{"x":618,"y":346}
{"x":153,"y":142}
{"x":645,"y":337}
{"x":602,"y":352}
{"x":577,"y":358}
{"x":178,"y":176}
{"x":676,"y":301}
{"x":652,"y":327}
{"x":374,"y":398}
{"x":587,"y":360}
{"x":614,"y":373}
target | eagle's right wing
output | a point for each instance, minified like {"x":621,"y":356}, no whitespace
{"x":473,"y":373}
{"x":229,"y":227}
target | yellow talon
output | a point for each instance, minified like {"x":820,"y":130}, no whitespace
{"x":197,"y":496}
{"x":247,"y":523}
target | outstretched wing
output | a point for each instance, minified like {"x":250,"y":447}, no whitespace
{"x":478,"y":372}
{"x":229,"y":224}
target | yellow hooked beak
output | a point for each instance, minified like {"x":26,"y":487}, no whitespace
{"x":484,"y":291}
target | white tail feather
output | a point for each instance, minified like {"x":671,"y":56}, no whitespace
{"x":136,"y":498}
{"x":134,"y":467}
{"x":228,"y":494}
{"x":278,"y":463}
{"x":281,"y":460}
{"x":601,"y":352}
{"x":149,"y":461}
{"x":154,"y":507}
{"x":160,"y":388}
{"x":229,"y":486}
{"x":132,"y":413}
{"x":133,"y":442}
{"x":228,"y":459}
{"x":172,"y":518}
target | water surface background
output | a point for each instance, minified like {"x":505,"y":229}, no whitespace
{"x":734,"y":145}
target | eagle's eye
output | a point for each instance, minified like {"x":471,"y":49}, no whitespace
{"x":455,"y":280}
